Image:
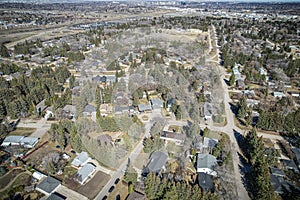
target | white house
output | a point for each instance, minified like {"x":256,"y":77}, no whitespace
{"x":38,"y":175}
{"x":278,"y":94}
{"x":81,"y":159}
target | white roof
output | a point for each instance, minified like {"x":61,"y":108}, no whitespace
{"x":29,"y":140}
{"x":12,"y":139}
{"x":80,"y":159}
{"x":38,"y":175}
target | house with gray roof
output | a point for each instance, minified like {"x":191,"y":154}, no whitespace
{"x":277,"y":172}
{"x":290,"y":165}
{"x":85,"y":172}
{"x":144,"y":108}
{"x":40,"y":107}
{"x":156,"y":162}
{"x":279,"y":184}
{"x":156,"y":103}
{"x":207,"y":111}
{"x":209,"y":143}
{"x":81,"y":159}
{"x":206,"y":182}
{"x":89,"y":110}
{"x":119,"y":110}
{"x":56,"y":196}
{"x":48,"y":185}
{"x":12,"y":140}
{"x":206,"y":164}
{"x":27,"y":142}
{"x":178,"y":138}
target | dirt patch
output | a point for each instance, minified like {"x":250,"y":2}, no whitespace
{"x":7,"y":178}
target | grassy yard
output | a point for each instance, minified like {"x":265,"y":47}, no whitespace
{"x":120,"y":191}
{"x":23,"y":131}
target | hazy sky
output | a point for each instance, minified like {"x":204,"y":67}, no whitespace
{"x":49,"y":1}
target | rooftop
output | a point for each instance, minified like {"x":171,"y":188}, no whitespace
{"x":206,"y":182}
{"x":49,"y":184}
{"x":85,"y":172}
{"x":157,"y":160}
{"x":80,"y":159}
{"x":206,"y":161}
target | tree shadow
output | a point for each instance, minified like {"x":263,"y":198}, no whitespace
{"x":226,"y":81}
{"x":233,"y":108}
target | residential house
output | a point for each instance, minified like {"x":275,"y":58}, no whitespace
{"x":99,"y":79}
{"x":290,"y":165}
{"x":278,"y":94}
{"x":85,"y":172}
{"x":111,"y":79}
{"x":178,"y":138}
{"x":206,"y":164}
{"x":277,"y":172}
{"x":81,"y":159}
{"x":56,"y":196}
{"x":70,"y":110}
{"x":40,"y":107}
{"x":144,"y":108}
{"x":48,"y":185}
{"x":49,"y":113}
{"x":105,"y":109}
{"x":207,"y":111}
{"x":38,"y":175}
{"x":90,"y":111}
{"x":132,"y":110}
{"x":295,"y":94}
{"x":209,"y":144}
{"x":156,"y":103}
{"x":12,"y":140}
{"x":170,"y":103}
{"x":119,"y":110}
{"x":279,"y":184}
{"x":297,"y":156}
{"x":27,"y":142}
{"x":156,"y":163}
{"x":236,"y":72}
{"x":206,"y":182}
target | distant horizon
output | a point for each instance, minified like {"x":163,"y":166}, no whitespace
{"x":216,"y":1}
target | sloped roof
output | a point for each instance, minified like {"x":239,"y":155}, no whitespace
{"x":156,"y":103}
{"x":29,"y":140}
{"x":144,"y":107}
{"x":206,"y":182}
{"x":13,"y":139}
{"x":135,"y":196}
{"x":277,"y":172}
{"x":49,"y":184}
{"x":290,"y":164}
{"x":210,"y":142}
{"x":56,"y":196}
{"x":297,"y":154}
{"x":81,"y":158}
{"x":206,"y":161}
{"x":89,"y":109}
{"x":157,"y":160}
{"x":279,"y":184}
{"x":85,"y":171}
